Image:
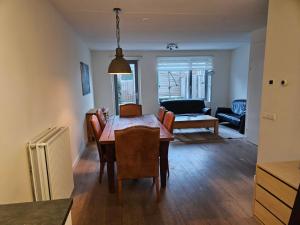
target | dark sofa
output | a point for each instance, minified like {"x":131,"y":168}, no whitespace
{"x":186,"y":107}
{"x":235,"y":115}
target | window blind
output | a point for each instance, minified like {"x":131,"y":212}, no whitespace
{"x":185,"y":63}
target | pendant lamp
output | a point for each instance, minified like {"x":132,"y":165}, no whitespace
{"x":118,"y":65}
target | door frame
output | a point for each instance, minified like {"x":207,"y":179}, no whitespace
{"x":135,"y":64}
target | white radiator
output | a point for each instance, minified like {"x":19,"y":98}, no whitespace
{"x":51,"y":164}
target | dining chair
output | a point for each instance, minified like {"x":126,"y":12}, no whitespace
{"x":169,"y":121}
{"x":101,"y":118}
{"x":169,"y":124}
{"x":137,"y":154}
{"x":130,"y":110}
{"x":161,"y":114}
{"x":97,"y":131}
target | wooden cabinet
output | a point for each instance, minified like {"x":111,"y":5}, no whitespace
{"x":69,"y":219}
{"x":276,"y":186}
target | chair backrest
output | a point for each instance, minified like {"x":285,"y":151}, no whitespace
{"x":97,"y":131}
{"x":161,"y":114}
{"x":169,"y":121}
{"x":101,"y":118}
{"x":137,"y":152}
{"x":239,"y":106}
{"x":96,"y":127}
{"x":130,"y":110}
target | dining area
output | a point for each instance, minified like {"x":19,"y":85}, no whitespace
{"x":136,"y":170}
{"x":133,"y":146}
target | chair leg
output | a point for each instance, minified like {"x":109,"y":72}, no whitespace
{"x":120,"y":191}
{"x":157,"y":189}
{"x":102,"y":166}
{"x":168,"y":170}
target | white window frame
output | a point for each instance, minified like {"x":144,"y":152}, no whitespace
{"x":180,"y":64}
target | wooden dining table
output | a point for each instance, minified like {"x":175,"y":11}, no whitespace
{"x":107,"y":139}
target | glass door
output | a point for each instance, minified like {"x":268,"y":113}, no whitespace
{"x":126,"y":86}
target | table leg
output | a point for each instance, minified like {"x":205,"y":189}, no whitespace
{"x":216,"y":128}
{"x":164,"y":148}
{"x":110,"y":153}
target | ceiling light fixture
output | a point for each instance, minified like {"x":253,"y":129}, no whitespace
{"x":118,"y":65}
{"x":172,"y":46}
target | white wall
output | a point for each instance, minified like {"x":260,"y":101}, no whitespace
{"x":255,"y":77}
{"x":239,"y":73}
{"x":103,"y":83}
{"x":39,"y":87}
{"x":279,"y":139}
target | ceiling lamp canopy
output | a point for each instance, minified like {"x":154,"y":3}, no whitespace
{"x":172,"y":46}
{"x":118,"y":65}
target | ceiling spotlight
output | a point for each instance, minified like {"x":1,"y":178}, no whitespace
{"x":172,"y":46}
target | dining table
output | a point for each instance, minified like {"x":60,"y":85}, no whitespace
{"x":107,"y":140}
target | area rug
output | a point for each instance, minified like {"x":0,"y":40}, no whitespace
{"x":203,"y":135}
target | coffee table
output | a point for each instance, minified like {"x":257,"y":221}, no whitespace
{"x":196,"y":121}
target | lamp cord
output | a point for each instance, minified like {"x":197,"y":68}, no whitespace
{"x":118,"y":28}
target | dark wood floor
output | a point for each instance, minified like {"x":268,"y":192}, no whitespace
{"x":209,"y":184}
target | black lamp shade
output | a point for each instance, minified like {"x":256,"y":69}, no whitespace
{"x":119,"y":65}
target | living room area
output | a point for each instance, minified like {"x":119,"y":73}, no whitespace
{"x":219,"y":79}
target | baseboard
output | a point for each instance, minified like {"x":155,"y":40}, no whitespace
{"x":251,"y":141}
{"x":76,"y":161}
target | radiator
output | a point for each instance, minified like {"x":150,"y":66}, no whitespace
{"x":51,"y":164}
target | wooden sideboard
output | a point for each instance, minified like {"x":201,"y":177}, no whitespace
{"x":276,"y":186}
{"x":88,"y":125}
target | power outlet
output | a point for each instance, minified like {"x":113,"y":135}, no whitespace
{"x":269,"y":116}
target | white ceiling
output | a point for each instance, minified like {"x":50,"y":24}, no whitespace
{"x":151,"y":24}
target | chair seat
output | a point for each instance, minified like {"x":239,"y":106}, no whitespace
{"x":232,"y":118}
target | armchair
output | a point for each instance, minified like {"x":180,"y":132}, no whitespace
{"x":236,"y":115}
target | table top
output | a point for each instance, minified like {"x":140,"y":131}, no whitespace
{"x":117,"y":123}
{"x":287,"y":171}
{"x":184,"y":118}
{"x":54,"y":212}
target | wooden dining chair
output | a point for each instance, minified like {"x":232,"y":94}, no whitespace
{"x":130,"y":110}
{"x":161,"y":114}
{"x":137,"y":154}
{"x":97,"y":131}
{"x":101,"y":118}
{"x":169,"y":120}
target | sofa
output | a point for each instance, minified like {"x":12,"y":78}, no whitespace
{"x":186,"y":107}
{"x":235,"y":115}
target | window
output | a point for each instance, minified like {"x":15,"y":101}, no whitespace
{"x":184,"y":77}
{"x":126,"y":86}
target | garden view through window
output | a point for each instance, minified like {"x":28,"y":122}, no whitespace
{"x":126,"y":86}
{"x":185,"y":77}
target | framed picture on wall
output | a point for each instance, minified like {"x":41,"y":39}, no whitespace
{"x":85,"y":78}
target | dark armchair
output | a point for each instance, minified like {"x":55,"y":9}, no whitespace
{"x":236,"y":115}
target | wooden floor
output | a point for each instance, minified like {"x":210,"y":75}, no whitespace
{"x":209,"y":184}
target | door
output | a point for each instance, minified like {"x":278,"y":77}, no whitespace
{"x":126,"y":86}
